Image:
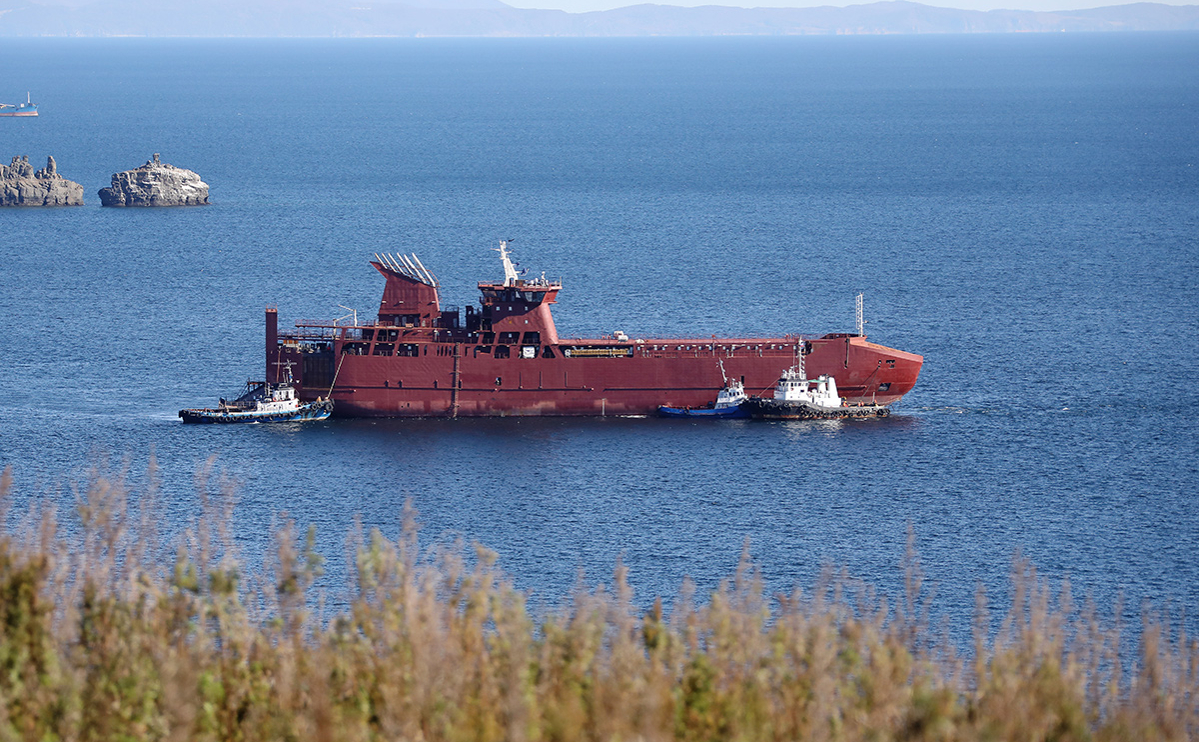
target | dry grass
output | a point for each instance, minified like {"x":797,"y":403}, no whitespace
{"x":99,"y":640}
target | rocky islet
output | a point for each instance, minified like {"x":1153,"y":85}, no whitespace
{"x":155,"y":184}
{"x":21,"y":185}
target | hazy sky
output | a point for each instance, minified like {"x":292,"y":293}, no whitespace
{"x":580,"y":6}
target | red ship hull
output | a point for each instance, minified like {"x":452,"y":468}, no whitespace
{"x":422,"y":364}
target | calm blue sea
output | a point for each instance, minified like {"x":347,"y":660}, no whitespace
{"x":1021,"y":210}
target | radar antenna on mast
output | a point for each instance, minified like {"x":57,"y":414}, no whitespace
{"x":510,"y":274}
{"x":287,"y":365}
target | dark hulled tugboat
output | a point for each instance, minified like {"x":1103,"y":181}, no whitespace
{"x":262,"y":402}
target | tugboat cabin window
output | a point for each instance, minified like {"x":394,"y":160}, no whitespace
{"x":501,"y":351}
{"x":509,"y":338}
{"x":532,"y":338}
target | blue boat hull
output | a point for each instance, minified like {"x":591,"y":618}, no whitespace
{"x":725,"y":413}
{"x":22,"y":110}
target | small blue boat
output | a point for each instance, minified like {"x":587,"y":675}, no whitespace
{"x":262,"y":403}
{"x":730,"y":404}
{"x":724,"y":413}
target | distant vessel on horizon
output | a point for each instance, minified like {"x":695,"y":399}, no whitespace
{"x":28,"y":108}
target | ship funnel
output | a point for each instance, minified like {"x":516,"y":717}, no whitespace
{"x":408,"y":266}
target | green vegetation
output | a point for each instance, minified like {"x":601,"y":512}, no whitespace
{"x":101,"y":641}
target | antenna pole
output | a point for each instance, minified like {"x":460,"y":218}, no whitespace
{"x":509,"y":269}
{"x":284,"y":364}
{"x":861,"y":316}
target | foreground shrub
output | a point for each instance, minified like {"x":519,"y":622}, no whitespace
{"x":100,"y":641}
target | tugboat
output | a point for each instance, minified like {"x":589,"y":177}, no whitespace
{"x":728,"y":405}
{"x":796,"y":399}
{"x":28,"y":108}
{"x":262,"y":402}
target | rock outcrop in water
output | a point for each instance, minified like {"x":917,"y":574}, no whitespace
{"x":155,"y":184}
{"x":20,"y":185}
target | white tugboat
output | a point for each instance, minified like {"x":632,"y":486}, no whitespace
{"x":262,"y":402}
{"x":796,"y":397}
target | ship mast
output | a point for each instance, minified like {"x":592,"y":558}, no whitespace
{"x":510,"y":274}
{"x":861,"y":316}
{"x":287,"y":365}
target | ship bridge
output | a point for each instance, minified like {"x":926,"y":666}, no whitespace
{"x":516,"y":308}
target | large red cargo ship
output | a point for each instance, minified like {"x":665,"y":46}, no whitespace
{"x":505,"y":357}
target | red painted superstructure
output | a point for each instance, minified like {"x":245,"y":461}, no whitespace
{"x":506,"y":358}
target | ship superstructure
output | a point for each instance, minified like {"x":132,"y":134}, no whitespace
{"x":505,"y":357}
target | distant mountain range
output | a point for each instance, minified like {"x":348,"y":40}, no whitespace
{"x":413,"y":18}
